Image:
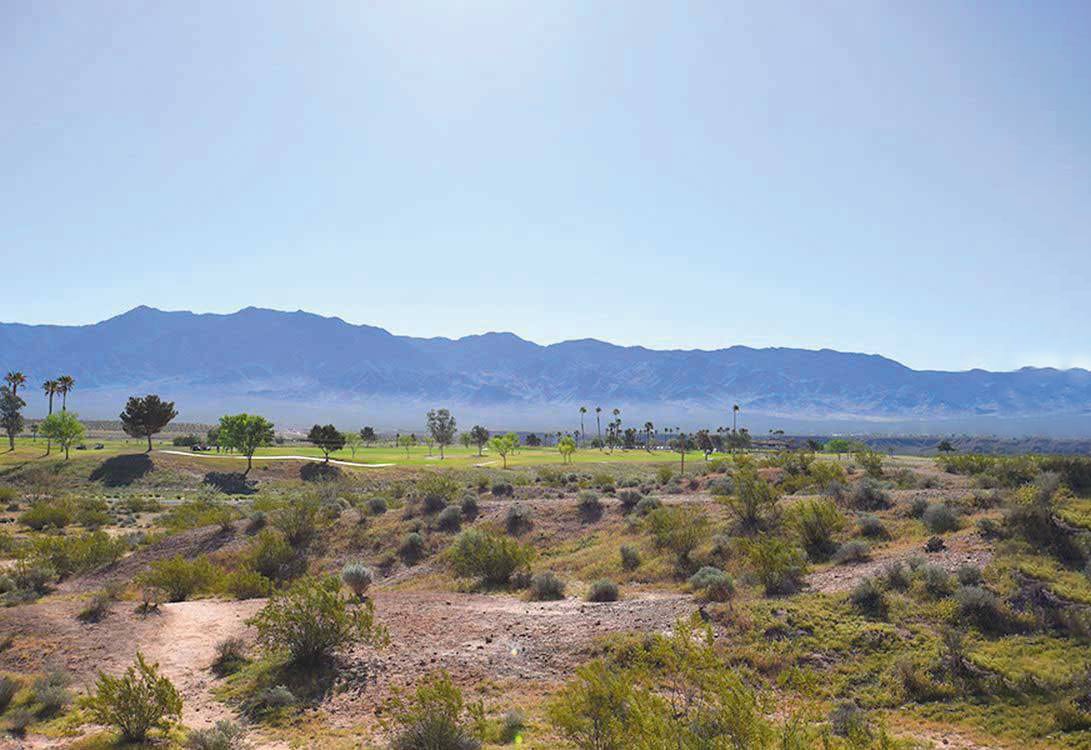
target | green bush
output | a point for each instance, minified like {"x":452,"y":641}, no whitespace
{"x":546,"y":586}
{"x":436,"y":491}
{"x":853,"y":551}
{"x":225,"y":735}
{"x":755,"y":502}
{"x":180,"y":578}
{"x":503,"y":489}
{"x":935,"y":580}
{"x":969,"y":575}
{"x":492,"y":558}
{"x":602,"y":590}
{"x":8,"y":688}
{"x":681,"y":529}
{"x":412,"y":548}
{"x":518,"y":520}
{"x":434,"y":717}
{"x":940,"y":518}
{"x":714,"y":584}
{"x":247,"y":583}
{"x":376,"y":506}
{"x":980,"y":607}
{"x":298,"y":521}
{"x":271,"y":555}
{"x":895,"y":576}
{"x":629,"y":499}
{"x":868,"y":494}
{"x":590,"y":506}
{"x":646,"y":505}
{"x":230,"y":656}
{"x":778,"y":566}
{"x":56,"y":513}
{"x":814,"y":523}
{"x":469,"y":507}
{"x":867,"y":597}
{"x":450,"y":519}
{"x":137,"y":702}
{"x":311,"y":620}
{"x":357,"y":577}
{"x":871,"y":527}
{"x":80,"y":553}
{"x":630,"y":557}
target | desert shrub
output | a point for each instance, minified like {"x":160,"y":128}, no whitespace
{"x":412,"y":548}
{"x":868,"y":494}
{"x":78,"y":553}
{"x":449,"y":519}
{"x":935,"y":544}
{"x":8,"y":688}
{"x":895,"y":576}
{"x":990,"y":529}
{"x":137,"y":702}
{"x":629,"y":499}
{"x":777,"y":565}
{"x":853,"y":551}
{"x":602,"y":590}
{"x":8,"y":495}
{"x":246,"y":583}
{"x":33,"y":576}
{"x":980,"y":607}
{"x":436,"y":491}
{"x":590,"y":506}
{"x":848,"y":720}
{"x":433,"y":717}
{"x":1072,"y":714}
{"x":469,"y":507}
{"x":940,"y":518}
{"x":714,"y":584}
{"x":268,"y":700}
{"x":867,"y":598}
{"x":871,"y":462}
{"x":630,"y":557}
{"x":664,"y":474}
{"x":646,"y":505}
{"x":512,"y":726}
{"x":311,"y":620}
{"x":917,"y":506}
{"x":871,"y":527}
{"x":56,"y":513}
{"x":180,"y":578}
{"x":814,"y":523}
{"x":258,"y":521}
{"x":376,"y":506}
{"x":518,"y":520}
{"x":225,"y":735}
{"x":50,"y":692}
{"x":492,"y":558}
{"x":96,"y":608}
{"x":357,"y":577}
{"x":681,"y":529}
{"x":230,"y":656}
{"x":1074,"y":471}
{"x":298,"y":520}
{"x":546,"y":586}
{"x":502,"y":489}
{"x":92,"y":513}
{"x":271,"y":555}
{"x":935,"y":580}
{"x":968,"y":575}
{"x":755,"y":501}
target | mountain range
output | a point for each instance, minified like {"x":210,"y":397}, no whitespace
{"x":301,"y":366}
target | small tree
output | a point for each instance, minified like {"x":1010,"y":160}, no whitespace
{"x":945,"y":446}
{"x":352,"y":441}
{"x":328,"y":439}
{"x":245,"y":433}
{"x":407,"y":442}
{"x":503,"y":445}
{"x":755,"y":502}
{"x":137,"y":702}
{"x":442,"y":428}
{"x":144,"y":417}
{"x":63,"y":427}
{"x":311,"y":620}
{"x":566,"y":446}
{"x":213,"y":437}
{"x":368,"y":436}
{"x":11,"y":417}
{"x":480,"y":436}
{"x":681,"y":444}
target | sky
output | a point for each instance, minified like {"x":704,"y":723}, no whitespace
{"x":911,"y":178}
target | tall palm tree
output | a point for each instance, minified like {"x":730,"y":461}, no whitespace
{"x":583,"y":410}
{"x":734,"y":418}
{"x":15,"y":379}
{"x":598,"y":423}
{"x":648,"y":427}
{"x":51,"y":388}
{"x":65,"y":384}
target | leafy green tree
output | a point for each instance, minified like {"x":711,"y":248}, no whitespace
{"x":533,"y":441}
{"x":65,"y":428}
{"x":352,"y":442}
{"x":136,"y":702}
{"x":11,"y":415}
{"x":566,"y":446}
{"x":945,"y":446}
{"x":442,"y":428}
{"x":213,"y":437}
{"x":480,"y":437}
{"x":327,"y":438}
{"x":144,"y":417}
{"x":368,"y":436}
{"x":504,"y":445}
{"x":245,"y":433}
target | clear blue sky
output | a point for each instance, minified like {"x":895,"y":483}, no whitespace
{"x":907,"y":178}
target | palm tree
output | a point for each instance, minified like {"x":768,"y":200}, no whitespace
{"x":51,"y":388}
{"x":648,"y":427}
{"x":598,"y":423}
{"x":65,"y":384}
{"x":734,"y":418}
{"x":15,"y":379}
{"x":583,"y":410}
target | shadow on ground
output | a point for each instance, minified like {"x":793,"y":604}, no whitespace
{"x":316,"y":472}
{"x":121,"y":471}
{"x":231,"y":482}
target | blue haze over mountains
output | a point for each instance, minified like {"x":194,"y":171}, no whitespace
{"x":299,"y":367}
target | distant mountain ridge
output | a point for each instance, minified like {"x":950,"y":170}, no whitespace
{"x":284,"y":358}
